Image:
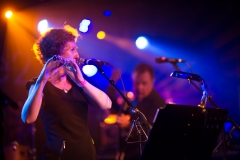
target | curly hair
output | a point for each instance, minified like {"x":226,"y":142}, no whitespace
{"x":52,"y":42}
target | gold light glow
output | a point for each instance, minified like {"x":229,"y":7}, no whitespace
{"x":130,"y":95}
{"x":8,"y":14}
{"x":101,"y":35}
{"x":111,"y":119}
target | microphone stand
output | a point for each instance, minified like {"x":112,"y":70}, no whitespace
{"x":135,"y":123}
{"x":177,"y":68}
{"x":204,"y":96}
{"x":204,"y":99}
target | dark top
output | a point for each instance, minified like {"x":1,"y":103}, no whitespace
{"x":64,"y":116}
{"x":148,"y":106}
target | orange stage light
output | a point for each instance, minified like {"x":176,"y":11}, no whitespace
{"x":111,"y":119}
{"x":8,"y":14}
{"x":130,"y":95}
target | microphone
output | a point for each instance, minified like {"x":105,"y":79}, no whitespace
{"x":94,"y":62}
{"x":186,"y":75}
{"x":171,"y":60}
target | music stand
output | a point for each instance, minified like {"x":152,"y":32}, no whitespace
{"x":184,"y":132}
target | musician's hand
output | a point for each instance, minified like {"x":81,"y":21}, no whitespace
{"x":123,"y":120}
{"x":72,"y":69}
{"x":52,"y":71}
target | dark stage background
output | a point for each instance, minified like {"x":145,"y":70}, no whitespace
{"x":205,"y":34}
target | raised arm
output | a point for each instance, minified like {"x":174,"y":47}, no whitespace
{"x":100,"y":97}
{"x":50,"y":72}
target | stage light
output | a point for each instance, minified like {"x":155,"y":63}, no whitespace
{"x":89,"y":70}
{"x":141,"y":42}
{"x":83,"y":26}
{"x":120,"y":100}
{"x":8,"y":14}
{"x":130,"y":95}
{"x":101,"y":35}
{"x":107,"y":13}
{"x":111,"y":119}
{"x":42,"y":26}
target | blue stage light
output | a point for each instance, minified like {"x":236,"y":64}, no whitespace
{"x":83,"y":26}
{"x":43,"y":26}
{"x":141,"y":42}
{"x":107,"y":13}
{"x":89,"y":70}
